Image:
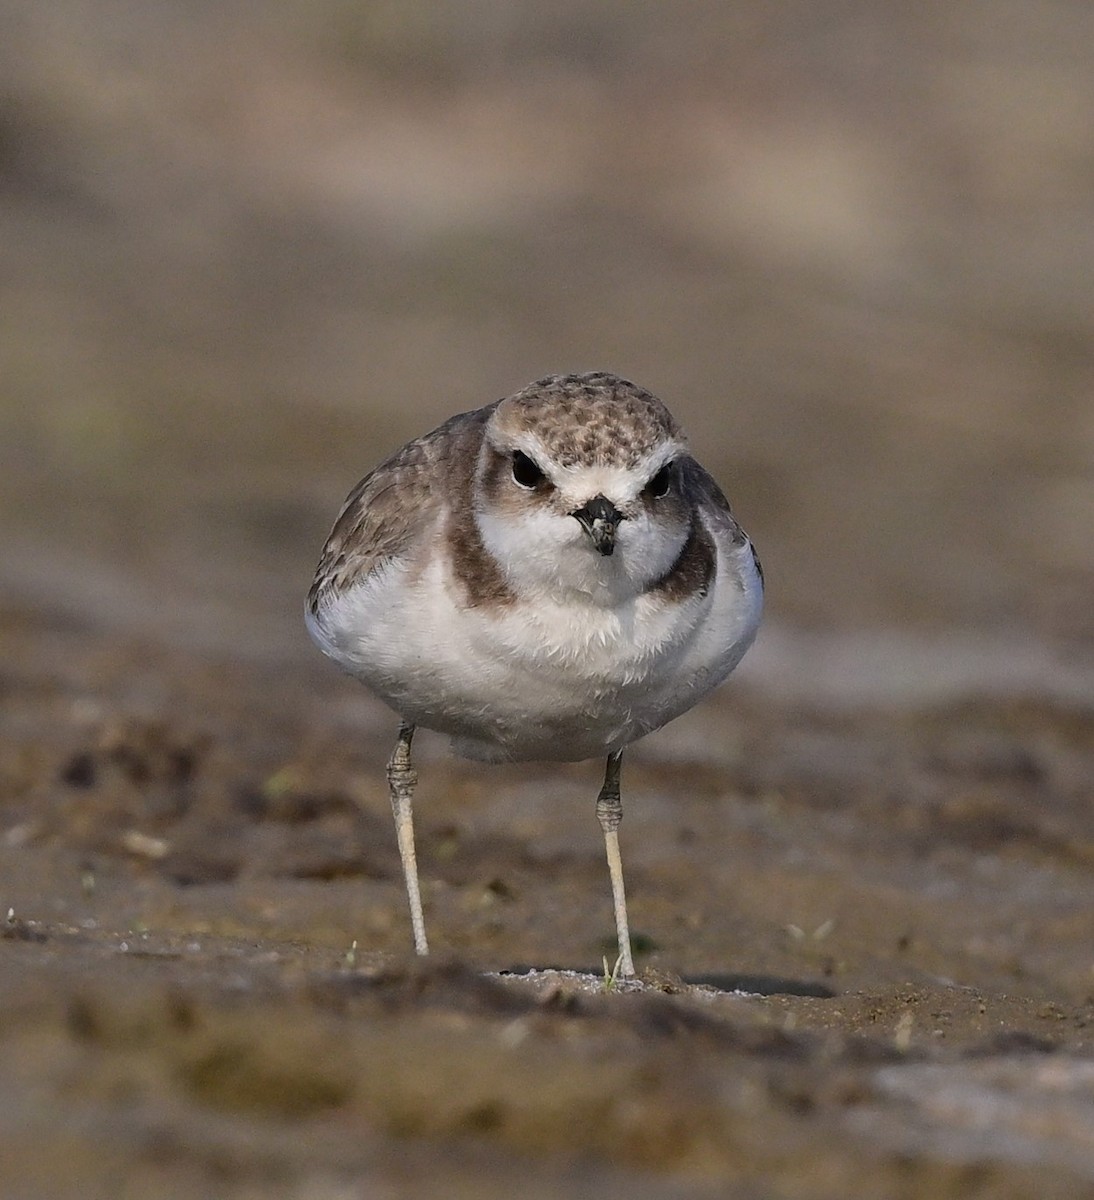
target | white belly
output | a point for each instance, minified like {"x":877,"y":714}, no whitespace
{"x":538,"y":679}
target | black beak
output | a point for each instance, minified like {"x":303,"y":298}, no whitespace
{"x":600,"y":518}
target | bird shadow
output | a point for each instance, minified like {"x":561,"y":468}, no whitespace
{"x":761,"y":985}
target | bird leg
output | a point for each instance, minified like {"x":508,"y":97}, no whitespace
{"x":402,"y":778}
{"x":609,"y":810}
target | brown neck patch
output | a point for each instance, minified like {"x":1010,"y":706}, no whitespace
{"x":483,"y":581}
{"x":694,"y":568}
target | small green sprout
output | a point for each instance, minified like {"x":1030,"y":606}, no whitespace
{"x":611,"y":977}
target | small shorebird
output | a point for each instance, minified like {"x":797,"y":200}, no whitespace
{"x":549,"y":577}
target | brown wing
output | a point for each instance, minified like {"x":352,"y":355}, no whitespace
{"x":700,"y":484}
{"x":381,"y":515}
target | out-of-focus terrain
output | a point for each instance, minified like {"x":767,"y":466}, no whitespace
{"x":245,"y":252}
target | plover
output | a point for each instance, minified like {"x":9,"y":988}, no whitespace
{"x":549,"y":577}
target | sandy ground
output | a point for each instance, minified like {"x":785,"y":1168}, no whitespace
{"x":246,"y":251}
{"x":864,"y":945}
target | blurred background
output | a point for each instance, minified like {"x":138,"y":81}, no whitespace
{"x":249,"y":249}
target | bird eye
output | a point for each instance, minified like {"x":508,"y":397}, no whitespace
{"x":658,"y":486}
{"x":526,"y":472}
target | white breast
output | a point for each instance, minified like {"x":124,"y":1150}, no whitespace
{"x":541,"y":677}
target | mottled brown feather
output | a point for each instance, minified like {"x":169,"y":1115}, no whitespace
{"x":589,"y":419}
{"x":382,"y":513}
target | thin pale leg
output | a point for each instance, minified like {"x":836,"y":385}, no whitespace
{"x":609,"y":810}
{"x":402,"y":778}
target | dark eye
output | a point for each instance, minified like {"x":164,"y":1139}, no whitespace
{"x":658,"y":486}
{"x":525,"y":471}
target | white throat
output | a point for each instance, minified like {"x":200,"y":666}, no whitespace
{"x":544,"y":553}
